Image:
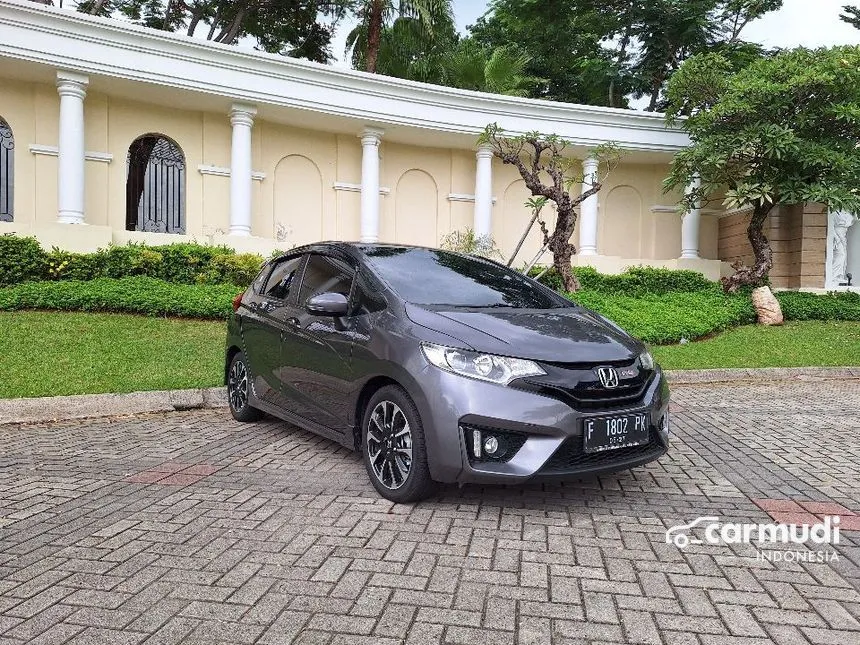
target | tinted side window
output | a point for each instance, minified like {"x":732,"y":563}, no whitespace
{"x":259,"y":283}
{"x":324,"y":274}
{"x":282,"y":278}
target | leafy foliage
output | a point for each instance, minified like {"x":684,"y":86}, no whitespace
{"x":405,"y":39}
{"x":809,"y":306}
{"x":290,"y":27}
{"x":140,"y":295}
{"x":599,"y":53}
{"x":669,"y":317}
{"x":503,"y":70}
{"x":21,"y":259}
{"x":634,"y":282}
{"x":467,"y":242}
{"x":783,"y":130}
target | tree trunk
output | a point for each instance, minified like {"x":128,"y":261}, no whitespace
{"x":96,"y":7}
{"x":755,"y":275}
{"x":561,"y":248}
{"x":374,"y":34}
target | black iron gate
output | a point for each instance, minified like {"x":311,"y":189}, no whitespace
{"x":7,"y":171}
{"x":155,"y":187}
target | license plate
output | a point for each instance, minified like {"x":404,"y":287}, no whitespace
{"x":611,"y":433}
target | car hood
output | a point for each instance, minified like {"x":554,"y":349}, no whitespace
{"x":564,"y":335}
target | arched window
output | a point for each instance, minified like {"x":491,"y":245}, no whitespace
{"x":155,"y":186}
{"x":7,"y":171}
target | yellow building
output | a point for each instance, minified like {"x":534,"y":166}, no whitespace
{"x":110,"y":132}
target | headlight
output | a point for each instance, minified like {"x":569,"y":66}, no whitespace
{"x":484,"y":367}
{"x":646,"y":360}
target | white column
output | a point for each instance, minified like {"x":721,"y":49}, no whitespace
{"x":483,"y":218}
{"x":588,"y":209}
{"x":242,"y":119}
{"x":370,"y":138}
{"x":72,"y":89}
{"x":690,"y":228}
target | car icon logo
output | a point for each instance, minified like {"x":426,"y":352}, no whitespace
{"x":608,"y":377}
{"x":676,"y":534}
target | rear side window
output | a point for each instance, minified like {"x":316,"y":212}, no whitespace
{"x":324,"y":274}
{"x":282,"y":278}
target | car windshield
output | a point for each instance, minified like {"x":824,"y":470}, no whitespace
{"x":441,"y":278}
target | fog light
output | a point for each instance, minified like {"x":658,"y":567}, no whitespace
{"x":476,"y":443}
{"x":491,"y":445}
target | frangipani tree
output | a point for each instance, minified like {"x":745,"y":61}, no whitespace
{"x":783,"y":130}
{"x":550,"y":172}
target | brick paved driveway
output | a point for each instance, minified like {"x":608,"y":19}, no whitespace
{"x":187,"y":527}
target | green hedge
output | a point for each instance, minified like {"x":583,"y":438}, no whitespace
{"x":809,"y":306}
{"x":668,"y":318}
{"x":635,"y":281}
{"x":22,"y":259}
{"x":140,"y":295}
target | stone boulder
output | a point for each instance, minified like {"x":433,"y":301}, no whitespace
{"x":767,"y":306}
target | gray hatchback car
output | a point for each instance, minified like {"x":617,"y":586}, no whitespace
{"x":441,"y":367}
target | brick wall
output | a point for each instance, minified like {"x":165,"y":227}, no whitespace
{"x":798,"y":236}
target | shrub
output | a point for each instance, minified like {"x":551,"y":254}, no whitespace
{"x":63,"y":265}
{"x":669,"y":317}
{"x":809,"y":306}
{"x":635,"y":281}
{"x":185,"y":263}
{"x":21,"y":259}
{"x":239,"y":269}
{"x":129,"y":260}
{"x":141,"y":295}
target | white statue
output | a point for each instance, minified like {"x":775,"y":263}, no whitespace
{"x":841,"y":222}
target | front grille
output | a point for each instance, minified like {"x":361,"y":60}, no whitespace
{"x":592,"y":396}
{"x":579,"y":387}
{"x":570,"y":457}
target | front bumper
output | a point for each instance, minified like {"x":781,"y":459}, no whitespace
{"x":553,"y":429}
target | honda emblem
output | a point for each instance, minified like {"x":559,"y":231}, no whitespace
{"x":608,"y":377}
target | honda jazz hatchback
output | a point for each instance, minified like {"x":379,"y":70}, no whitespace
{"x":441,"y":367}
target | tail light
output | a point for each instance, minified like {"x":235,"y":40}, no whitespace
{"x":237,"y":302}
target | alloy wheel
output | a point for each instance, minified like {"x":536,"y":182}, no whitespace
{"x":389,"y":444}
{"x":237,"y":385}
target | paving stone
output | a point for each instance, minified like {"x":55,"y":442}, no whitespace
{"x":263,"y":533}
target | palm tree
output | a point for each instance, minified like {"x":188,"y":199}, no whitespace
{"x":424,"y":21}
{"x":471,"y":66}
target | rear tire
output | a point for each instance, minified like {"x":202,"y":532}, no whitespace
{"x":393,"y":447}
{"x":239,"y":390}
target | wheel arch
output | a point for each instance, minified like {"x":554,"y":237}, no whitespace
{"x":370,"y":388}
{"x":232,"y":350}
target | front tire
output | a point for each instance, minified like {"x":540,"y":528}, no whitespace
{"x":393,"y":447}
{"x":239,"y":390}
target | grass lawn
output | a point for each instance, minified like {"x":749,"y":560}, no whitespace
{"x":53,"y":353}
{"x":795,"y":344}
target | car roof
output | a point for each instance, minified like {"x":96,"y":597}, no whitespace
{"x":353,"y":247}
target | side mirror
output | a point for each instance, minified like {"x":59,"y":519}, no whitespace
{"x":328,"y":304}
